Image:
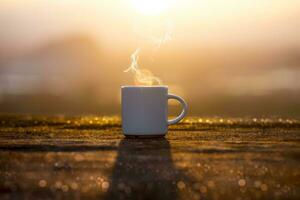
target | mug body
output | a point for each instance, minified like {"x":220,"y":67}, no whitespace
{"x":144,"y":110}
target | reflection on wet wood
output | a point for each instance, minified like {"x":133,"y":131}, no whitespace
{"x":201,"y":158}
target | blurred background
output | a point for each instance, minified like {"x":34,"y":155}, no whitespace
{"x":226,"y":58}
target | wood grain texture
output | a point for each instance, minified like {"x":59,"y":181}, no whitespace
{"x":87,"y":157}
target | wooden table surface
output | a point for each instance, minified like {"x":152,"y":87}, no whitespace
{"x":87,"y":157}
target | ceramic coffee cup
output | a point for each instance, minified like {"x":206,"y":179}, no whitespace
{"x":145,"y":110}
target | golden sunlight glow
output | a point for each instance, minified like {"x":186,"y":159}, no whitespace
{"x":151,"y":7}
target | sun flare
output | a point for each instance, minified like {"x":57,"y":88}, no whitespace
{"x":151,"y":7}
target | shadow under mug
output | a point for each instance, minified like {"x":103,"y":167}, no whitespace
{"x":145,"y":110}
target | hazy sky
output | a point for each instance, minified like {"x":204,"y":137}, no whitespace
{"x":272,"y":22}
{"x":200,"y":48}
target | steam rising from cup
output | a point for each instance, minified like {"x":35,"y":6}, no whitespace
{"x":149,"y":7}
{"x":141,"y":76}
{"x":166,"y":37}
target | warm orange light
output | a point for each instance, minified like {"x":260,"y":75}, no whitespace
{"x":151,"y":7}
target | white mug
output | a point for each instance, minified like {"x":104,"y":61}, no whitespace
{"x":145,"y":110}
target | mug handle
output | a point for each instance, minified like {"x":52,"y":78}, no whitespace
{"x":183,"y":112}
